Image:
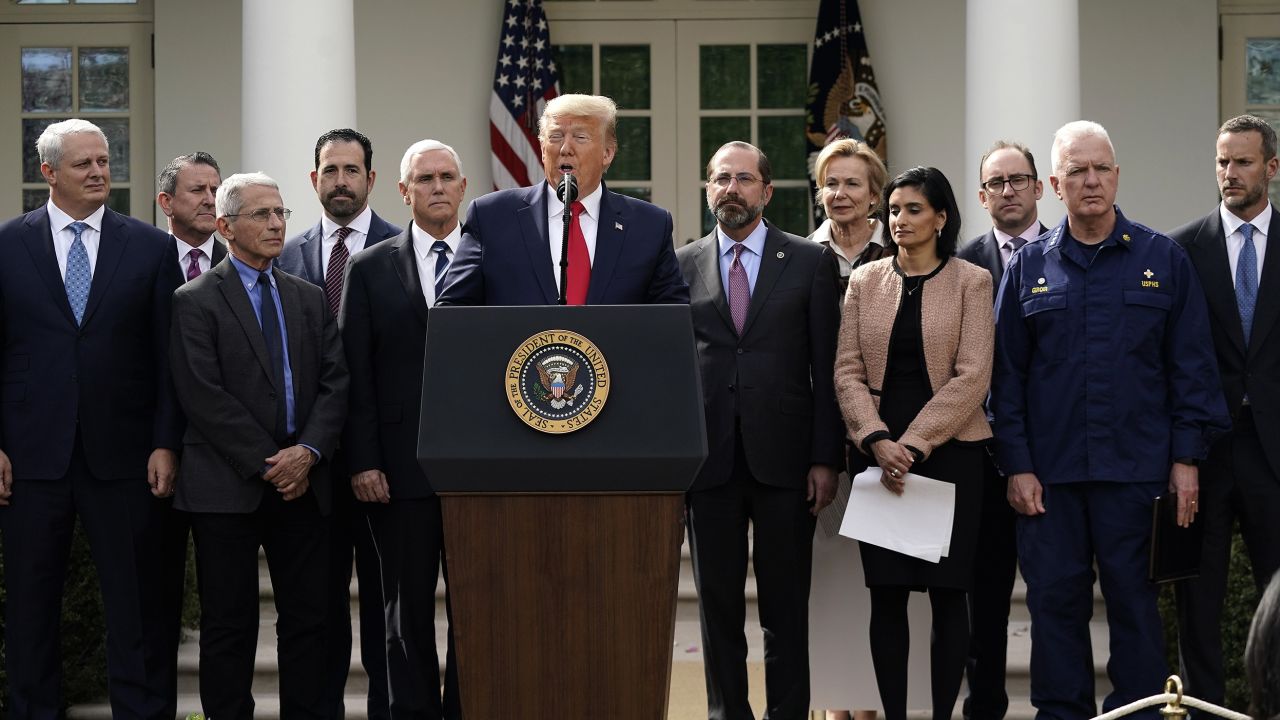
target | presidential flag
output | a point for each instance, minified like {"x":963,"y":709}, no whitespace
{"x":844,"y":101}
{"x":523,"y":81}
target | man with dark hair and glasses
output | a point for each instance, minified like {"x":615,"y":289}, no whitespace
{"x":259,"y":369}
{"x":343,"y":178}
{"x":1009,"y":188}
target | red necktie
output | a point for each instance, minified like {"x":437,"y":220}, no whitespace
{"x":579,"y":261}
{"x":337,"y":266}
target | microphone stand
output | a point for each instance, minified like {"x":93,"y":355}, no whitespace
{"x":567,"y":191}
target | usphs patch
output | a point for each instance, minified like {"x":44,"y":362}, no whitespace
{"x":557,"y":381}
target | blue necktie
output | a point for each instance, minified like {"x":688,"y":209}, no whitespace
{"x":78,"y":277}
{"x":1247,"y":280}
{"x":440,"y":248}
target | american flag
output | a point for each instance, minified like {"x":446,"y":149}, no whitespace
{"x":523,"y":81}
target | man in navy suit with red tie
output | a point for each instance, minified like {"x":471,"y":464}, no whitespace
{"x":620,"y":248}
{"x":88,"y":420}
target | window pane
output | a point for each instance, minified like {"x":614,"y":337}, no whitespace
{"x":708,"y":220}
{"x":31,"y":129}
{"x":573,"y":63}
{"x":43,"y":2}
{"x":32,"y":199}
{"x":724,"y":73}
{"x":118,"y":200}
{"x":104,"y":79}
{"x":1262,"y":70}
{"x":717,"y":131}
{"x":782,"y":139}
{"x":624,"y":75}
{"x":781,"y":72}
{"x":46,"y":79}
{"x":638,"y":193}
{"x":789,"y":210}
{"x":106,"y":2}
{"x":632,"y":162}
{"x":117,"y":130}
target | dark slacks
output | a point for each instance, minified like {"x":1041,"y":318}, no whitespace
{"x":1084,"y":522}
{"x":993,"y":578}
{"x":410,"y":543}
{"x":1235,"y":483}
{"x":782,"y":557}
{"x":295,"y":538}
{"x":174,"y":530}
{"x":351,"y":537}
{"x":118,"y":519}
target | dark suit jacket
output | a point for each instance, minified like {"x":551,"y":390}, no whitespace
{"x":984,"y":252}
{"x":301,"y":256}
{"x":778,"y":378}
{"x":221,"y":371}
{"x":505,"y":255}
{"x":384,"y":332}
{"x":1255,"y":372}
{"x":108,"y":378}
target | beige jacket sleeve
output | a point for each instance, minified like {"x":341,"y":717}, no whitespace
{"x":860,"y":410}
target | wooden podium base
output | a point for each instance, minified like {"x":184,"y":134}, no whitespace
{"x":563,"y":605}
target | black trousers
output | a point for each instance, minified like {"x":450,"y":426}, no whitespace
{"x":410,"y":542}
{"x":782,"y":557}
{"x":174,"y":531}
{"x":351,"y":536}
{"x":118,"y":519}
{"x":295,"y":538}
{"x":1236,"y":483}
{"x":993,"y":578}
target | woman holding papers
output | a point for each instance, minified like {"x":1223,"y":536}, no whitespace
{"x":911,"y":384}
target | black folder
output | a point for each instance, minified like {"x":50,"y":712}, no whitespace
{"x":1175,"y":551}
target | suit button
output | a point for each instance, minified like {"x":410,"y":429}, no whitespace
{"x":272,"y":396}
{"x":732,"y":388}
{"x":74,"y":377}
{"x":740,"y":351}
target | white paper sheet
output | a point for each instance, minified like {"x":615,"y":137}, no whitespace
{"x":917,"y":523}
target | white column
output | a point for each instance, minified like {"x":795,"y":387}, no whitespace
{"x":298,"y":82}
{"x":1022,"y":82}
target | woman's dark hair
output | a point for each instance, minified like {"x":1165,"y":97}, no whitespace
{"x":1262,"y":655}
{"x":934,"y":186}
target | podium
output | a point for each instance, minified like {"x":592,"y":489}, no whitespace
{"x":561,"y":441}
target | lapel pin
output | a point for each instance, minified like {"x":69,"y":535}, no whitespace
{"x":617,"y":225}
{"x":781,"y":254}
{"x":1040,"y":281}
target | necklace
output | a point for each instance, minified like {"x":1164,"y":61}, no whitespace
{"x":919,"y":283}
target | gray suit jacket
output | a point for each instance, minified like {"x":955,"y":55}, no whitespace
{"x":223,"y":381}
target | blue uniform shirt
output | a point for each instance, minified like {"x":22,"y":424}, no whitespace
{"x":1104,"y":367}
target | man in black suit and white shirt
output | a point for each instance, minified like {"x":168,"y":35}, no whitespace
{"x":259,"y":370}
{"x":1009,"y":191}
{"x":1239,"y":269}
{"x":765,"y":315}
{"x":390,"y":290}
{"x":343,"y":178}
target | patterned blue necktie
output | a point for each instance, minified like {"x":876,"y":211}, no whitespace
{"x":440,"y":248}
{"x":78,"y":277}
{"x":1247,"y":280}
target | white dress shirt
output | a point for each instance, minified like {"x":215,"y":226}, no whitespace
{"x":422,"y":242}
{"x":1235,"y":239}
{"x":1005,"y":241}
{"x":63,"y":236}
{"x":589,"y":220}
{"x":355,"y":241}
{"x":184,"y":254}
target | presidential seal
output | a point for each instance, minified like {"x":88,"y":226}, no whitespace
{"x":557,"y":381}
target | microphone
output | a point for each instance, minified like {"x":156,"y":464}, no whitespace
{"x":567,"y":190}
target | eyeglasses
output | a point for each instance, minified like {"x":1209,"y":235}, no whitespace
{"x":745,"y":180}
{"x":262,"y":214}
{"x":995,"y":186}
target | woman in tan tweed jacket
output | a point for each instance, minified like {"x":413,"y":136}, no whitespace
{"x":911,"y":384}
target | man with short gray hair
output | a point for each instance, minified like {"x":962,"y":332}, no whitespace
{"x":89,"y":427}
{"x":1105,"y":395}
{"x":259,"y":370}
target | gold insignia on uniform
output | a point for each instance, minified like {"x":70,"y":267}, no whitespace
{"x":1149,"y":283}
{"x":557,"y":381}
{"x":1040,"y":281}
{"x":1125,"y":237}
{"x":1148,"y":274}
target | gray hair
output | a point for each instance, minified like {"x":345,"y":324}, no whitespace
{"x":1073,"y":131}
{"x":423,"y":146}
{"x":50,"y":143}
{"x":167,"y":180}
{"x":228,"y":200}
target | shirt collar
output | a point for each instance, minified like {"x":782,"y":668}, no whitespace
{"x":58,"y":220}
{"x":754,"y":241}
{"x":1031,"y":233}
{"x":1230,"y":223}
{"x":1122,"y":234}
{"x":590,"y":203}
{"x":249,"y":275}
{"x":185,"y":249}
{"x":360,"y":224}
{"x":423,"y":240}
